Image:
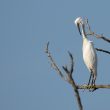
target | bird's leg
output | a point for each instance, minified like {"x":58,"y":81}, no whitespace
{"x":89,"y":82}
{"x":93,"y":83}
{"x":89,"y":79}
{"x":91,"y":76}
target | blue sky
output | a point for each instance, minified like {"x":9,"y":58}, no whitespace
{"x":27,"y":81}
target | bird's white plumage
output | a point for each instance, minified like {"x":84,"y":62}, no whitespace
{"x":90,"y":56}
{"x":89,"y":53}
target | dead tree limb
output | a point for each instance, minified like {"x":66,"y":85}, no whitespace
{"x":69,"y":73}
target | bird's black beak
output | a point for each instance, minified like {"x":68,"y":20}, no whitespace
{"x":78,"y":26}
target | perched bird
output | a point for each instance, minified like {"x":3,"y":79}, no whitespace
{"x":89,"y":53}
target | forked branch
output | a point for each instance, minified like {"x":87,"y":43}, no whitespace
{"x":69,"y":73}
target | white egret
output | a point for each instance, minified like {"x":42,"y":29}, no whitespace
{"x":89,"y":53}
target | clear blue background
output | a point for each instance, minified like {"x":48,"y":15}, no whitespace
{"x":27,"y":81}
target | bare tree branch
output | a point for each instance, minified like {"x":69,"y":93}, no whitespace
{"x":95,"y":86}
{"x":72,"y":82}
{"x":102,"y":50}
{"x":53,"y":62}
{"x":69,"y":72}
{"x":76,"y":94}
{"x":90,"y":32}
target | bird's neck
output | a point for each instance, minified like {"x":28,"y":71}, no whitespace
{"x":85,"y":40}
{"x":84,"y":37}
{"x":83,"y":34}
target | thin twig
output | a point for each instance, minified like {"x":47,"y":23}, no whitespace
{"x":53,"y":62}
{"x":95,"y":86}
{"x":102,"y":50}
{"x":71,"y":63}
